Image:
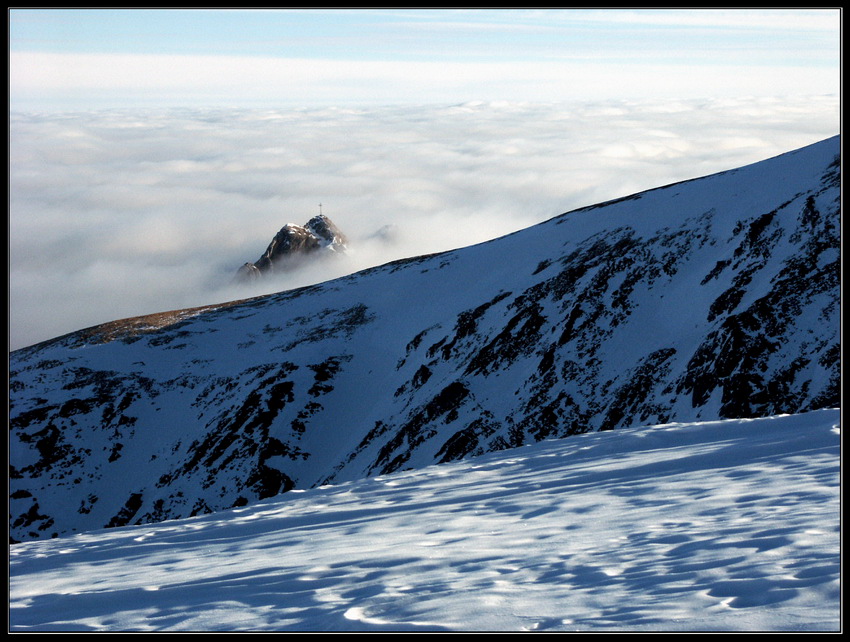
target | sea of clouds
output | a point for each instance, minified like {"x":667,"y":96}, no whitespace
{"x":118,"y":213}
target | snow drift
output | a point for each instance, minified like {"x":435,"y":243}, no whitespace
{"x":730,"y":525}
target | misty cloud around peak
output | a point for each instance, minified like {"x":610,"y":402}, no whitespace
{"x":127,"y":212}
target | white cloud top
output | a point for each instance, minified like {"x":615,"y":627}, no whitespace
{"x":128,"y":212}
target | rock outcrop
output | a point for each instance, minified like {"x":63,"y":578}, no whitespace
{"x":292,"y":246}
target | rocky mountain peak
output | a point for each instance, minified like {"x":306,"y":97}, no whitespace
{"x":325,"y":229}
{"x":294,"y":244}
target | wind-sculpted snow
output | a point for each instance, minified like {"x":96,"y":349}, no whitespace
{"x":709,"y":299}
{"x":715,"y":526}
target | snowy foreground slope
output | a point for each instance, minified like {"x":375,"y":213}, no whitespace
{"x":708,"y":299}
{"x":729,"y":525}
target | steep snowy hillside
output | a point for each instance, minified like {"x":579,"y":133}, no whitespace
{"x":712,"y":298}
{"x":731,"y":525}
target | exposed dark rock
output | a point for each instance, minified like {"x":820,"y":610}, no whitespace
{"x":327,"y":232}
{"x":292,"y":246}
{"x":131,"y":507}
{"x":468,"y":441}
{"x":629,"y":402}
{"x":398,"y":450}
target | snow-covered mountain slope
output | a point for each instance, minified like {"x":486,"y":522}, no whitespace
{"x":713,"y":298}
{"x":731,"y":525}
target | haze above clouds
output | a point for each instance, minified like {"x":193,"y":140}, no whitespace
{"x":143,"y":172}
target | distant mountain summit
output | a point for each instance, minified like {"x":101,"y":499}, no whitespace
{"x":294,"y":244}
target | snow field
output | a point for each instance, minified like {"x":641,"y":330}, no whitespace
{"x":727,"y":525}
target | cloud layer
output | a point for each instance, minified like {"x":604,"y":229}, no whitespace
{"x":81,"y":80}
{"x":127,"y":212}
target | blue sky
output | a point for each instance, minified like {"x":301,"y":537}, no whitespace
{"x":480,"y":35}
{"x":307,"y":57}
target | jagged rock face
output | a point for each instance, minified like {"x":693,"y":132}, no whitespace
{"x":326,"y":231}
{"x":713,"y":298}
{"x":292,"y":245}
